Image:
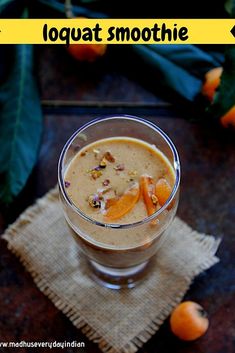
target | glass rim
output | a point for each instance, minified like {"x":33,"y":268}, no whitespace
{"x":148,"y":219}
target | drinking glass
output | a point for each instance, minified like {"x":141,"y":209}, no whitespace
{"x":119,"y":266}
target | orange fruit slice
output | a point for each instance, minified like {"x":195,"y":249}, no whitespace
{"x":147,"y":190}
{"x":162,"y":191}
{"x":124,"y":204}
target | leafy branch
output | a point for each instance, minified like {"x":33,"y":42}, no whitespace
{"x":20,"y":124}
{"x":224,"y":98}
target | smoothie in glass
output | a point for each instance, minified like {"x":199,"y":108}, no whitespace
{"x":119,"y":187}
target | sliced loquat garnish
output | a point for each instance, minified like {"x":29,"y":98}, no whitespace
{"x":147,"y":190}
{"x":124,"y":204}
{"x":162,"y":191}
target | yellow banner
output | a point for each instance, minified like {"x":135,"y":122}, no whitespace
{"x":117,"y":31}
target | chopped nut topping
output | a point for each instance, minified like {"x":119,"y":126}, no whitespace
{"x":154,"y":199}
{"x":83,"y":153}
{"x":96,"y":152}
{"x":67,"y":184}
{"x":106,"y":182}
{"x":103,"y":163}
{"x":119,"y":167}
{"x":100,"y":194}
{"x":95,"y":174}
{"x":107,"y":190}
{"x":132,"y":173}
{"x":109,"y":157}
{"x":94,"y":201}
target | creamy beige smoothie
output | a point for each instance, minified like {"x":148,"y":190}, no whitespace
{"x":101,"y":174}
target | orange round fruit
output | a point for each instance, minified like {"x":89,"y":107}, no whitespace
{"x":212,"y":81}
{"x":87,"y":52}
{"x":189,"y":321}
{"x":229,"y":118}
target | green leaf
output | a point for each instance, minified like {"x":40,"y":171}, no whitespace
{"x":77,"y":10}
{"x":20,"y":124}
{"x":168,"y":73}
{"x":230,"y":7}
{"x":225,"y":96}
{"x":188,"y":57}
{"x":3,"y":4}
{"x":11,"y":8}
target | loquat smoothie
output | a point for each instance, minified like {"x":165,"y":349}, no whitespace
{"x":119,"y":182}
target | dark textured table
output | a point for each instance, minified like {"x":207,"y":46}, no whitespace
{"x":73,"y":94}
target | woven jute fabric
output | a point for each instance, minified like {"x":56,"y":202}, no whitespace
{"x":118,"y":321}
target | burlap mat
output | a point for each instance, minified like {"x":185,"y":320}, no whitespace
{"x":119,"y":321}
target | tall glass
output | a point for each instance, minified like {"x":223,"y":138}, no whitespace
{"x":111,"y":265}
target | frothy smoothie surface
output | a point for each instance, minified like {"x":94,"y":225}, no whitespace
{"x":119,"y":180}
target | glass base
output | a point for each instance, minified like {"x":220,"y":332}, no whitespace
{"x":117,"y":278}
